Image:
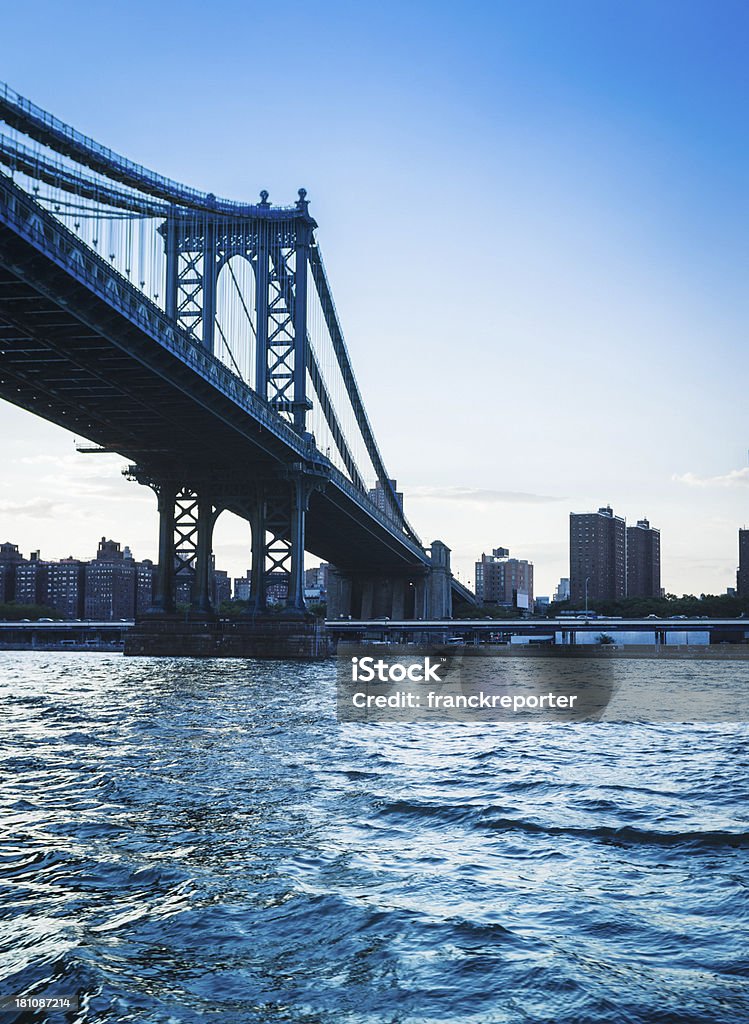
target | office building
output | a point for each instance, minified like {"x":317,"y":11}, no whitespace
{"x":562,"y":592}
{"x":503,"y":580}
{"x":598,"y":565}
{"x":643,"y":560}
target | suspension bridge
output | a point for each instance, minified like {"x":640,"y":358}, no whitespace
{"x":198,"y":338}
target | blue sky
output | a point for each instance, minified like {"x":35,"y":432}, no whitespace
{"x":534,"y":220}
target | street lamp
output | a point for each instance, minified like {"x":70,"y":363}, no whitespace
{"x":587,"y":581}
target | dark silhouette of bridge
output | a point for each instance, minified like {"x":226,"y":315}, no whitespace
{"x":198,"y":337}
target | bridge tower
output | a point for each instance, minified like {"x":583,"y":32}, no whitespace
{"x":275,"y":243}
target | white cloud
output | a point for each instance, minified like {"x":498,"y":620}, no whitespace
{"x":478,"y":496}
{"x":35,"y":508}
{"x":734,"y":478}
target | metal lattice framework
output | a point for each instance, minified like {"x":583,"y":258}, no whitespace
{"x":185,"y":530}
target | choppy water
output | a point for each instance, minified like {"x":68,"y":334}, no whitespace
{"x":188,"y":841}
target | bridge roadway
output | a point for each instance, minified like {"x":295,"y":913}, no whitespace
{"x":83,"y":348}
{"x":477,"y":628}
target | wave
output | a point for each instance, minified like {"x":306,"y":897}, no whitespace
{"x":480,"y":816}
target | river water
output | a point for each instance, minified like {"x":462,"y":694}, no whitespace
{"x":201,"y":841}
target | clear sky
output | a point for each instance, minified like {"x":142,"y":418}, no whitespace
{"x":534,"y":217}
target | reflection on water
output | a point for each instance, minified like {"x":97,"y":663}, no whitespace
{"x":187,"y":841}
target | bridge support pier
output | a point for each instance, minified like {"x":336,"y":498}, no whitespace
{"x":256,"y":516}
{"x":163,"y":598}
{"x":300,"y":492}
{"x":277,"y":513}
{"x":439,"y":603}
{"x":419,"y":594}
{"x":201,"y":594}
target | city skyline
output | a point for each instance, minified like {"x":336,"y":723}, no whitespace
{"x":605,"y":252}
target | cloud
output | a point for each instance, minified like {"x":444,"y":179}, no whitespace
{"x":35,"y":508}
{"x":38,"y":460}
{"x":478,"y":496}
{"x":735,"y":478}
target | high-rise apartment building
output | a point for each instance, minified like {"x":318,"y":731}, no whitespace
{"x":317,"y":577}
{"x":144,"y":584}
{"x":598,"y":565}
{"x":10,"y":557}
{"x":31,"y":581}
{"x":65,"y":587}
{"x":742,"y":575}
{"x":111,"y":583}
{"x":243,"y":586}
{"x":221,"y":587}
{"x":503,"y":580}
{"x":643,"y":560}
{"x":111,"y":589}
{"x":382,"y":499}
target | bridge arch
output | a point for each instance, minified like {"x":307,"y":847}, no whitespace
{"x":235,"y":338}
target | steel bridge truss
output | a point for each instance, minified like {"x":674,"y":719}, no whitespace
{"x":275,"y":508}
{"x":276,"y":245}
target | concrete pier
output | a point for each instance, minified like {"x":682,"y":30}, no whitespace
{"x":277,"y":637}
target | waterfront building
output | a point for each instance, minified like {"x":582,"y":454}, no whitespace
{"x":317,"y":578}
{"x":144,"y":584}
{"x":503,"y":580}
{"x":382,"y":500}
{"x":598,"y":556}
{"x":277,"y":588}
{"x":242,"y":587}
{"x":66,"y":587}
{"x":109,"y":551}
{"x":111,"y":583}
{"x":10,"y":556}
{"x":183,"y":587}
{"x":221,"y":587}
{"x":742,"y":575}
{"x":31,"y":581}
{"x":111,"y":589}
{"x":643,"y":560}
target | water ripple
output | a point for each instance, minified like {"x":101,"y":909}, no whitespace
{"x":188,"y":841}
